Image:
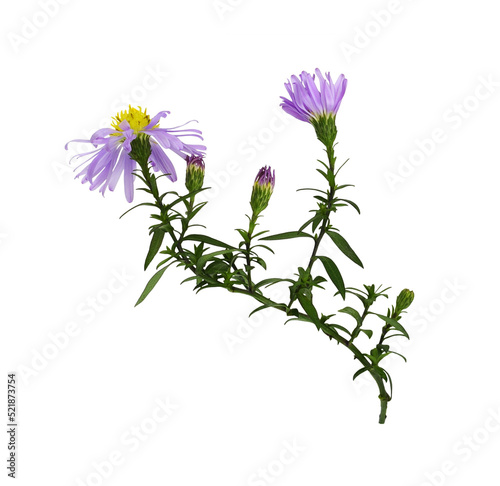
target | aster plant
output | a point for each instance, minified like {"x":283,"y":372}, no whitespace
{"x":136,"y":147}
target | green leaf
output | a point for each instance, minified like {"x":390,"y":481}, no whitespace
{"x":209,"y":240}
{"x":271,"y":281}
{"x":154,"y":247}
{"x":217,"y":267}
{"x":136,"y":206}
{"x":209,"y":256}
{"x":338,"y":326}
{"x":362,"y":370}
{"x":258,"y":309}
{"x":368,"y":332}
{"x":353,"y":204}
{"x":394,"y":352}
{"x":261,"y":262}
{"x":334,"y":274}
{"x":308,"y":306}
{"x":344,"y":247}
{"x":151,"y":285}
{"x":244,"y":235}
{"x":393,"y":323}
{"x":286,"y":236}
{"x":265,"y":247}
{"x":306,"y":224}
{"x":352,"y":312}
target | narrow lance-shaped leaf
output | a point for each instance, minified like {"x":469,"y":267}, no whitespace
{"x":344,"y":247}
{"x":286,"y":236}
{"x":154,"y":247}
{"x":207,"y":239}
{"x":308,"y":306}
{"x":334,"y":274}
{"x":151,"y":285}
{"x":362,"y":370}
{"x":209,"y":256}
{"x":392,"y":322}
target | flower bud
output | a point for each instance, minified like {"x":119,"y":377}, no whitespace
{"x":195,"y":173}
{"x":404,"y":300}
{"x":262,"y":189}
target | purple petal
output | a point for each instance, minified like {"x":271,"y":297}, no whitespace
{"x":156,"y":119}
{"x":162,"y":161}
{"x":128,"y":178}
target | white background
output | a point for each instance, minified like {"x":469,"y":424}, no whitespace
{"x":425,"y":69}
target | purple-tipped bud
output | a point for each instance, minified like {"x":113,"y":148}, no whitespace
{"x":195,"y":173}
{"x":262,"y":189}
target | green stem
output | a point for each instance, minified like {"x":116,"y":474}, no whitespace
{"x":248,"y":247}
{"x":181,"y":257}
{"x":383,"y":394}
{"x":153,"y":188}
{"x":355,"y":333}
{"x":386,"y":329}
{"x":326,"y":220}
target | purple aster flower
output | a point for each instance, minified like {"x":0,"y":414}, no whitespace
{"x":308,"y":102}
{"x":104,"y":166}
{"x":262,"y":189}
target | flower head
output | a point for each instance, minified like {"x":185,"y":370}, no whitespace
{"x":263,"y":188}
{"x":195,"y":173}
{"x":313,"y":104}
{"x":104,"y":166}
{"x":307,"y":101}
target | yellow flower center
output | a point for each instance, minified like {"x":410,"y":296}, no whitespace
{"x":136,"y":118}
